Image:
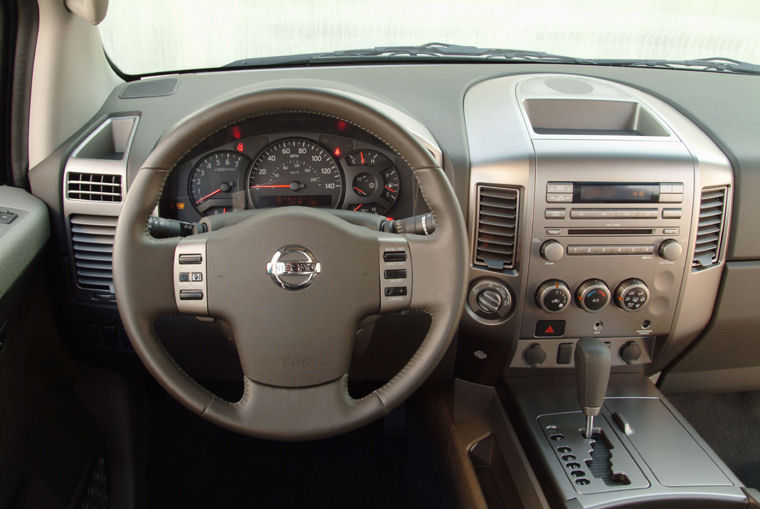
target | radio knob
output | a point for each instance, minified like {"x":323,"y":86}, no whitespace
{"x":592,"y":295}
{"x":553,"y":296}
{"x":552,"y":251}
{"x":631,"y":295}
{"x":670,"y":250}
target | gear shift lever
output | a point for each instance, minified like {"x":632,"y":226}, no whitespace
{"x":592,"y":372}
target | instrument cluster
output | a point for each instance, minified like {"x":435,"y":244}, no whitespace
{"x":308,"y":161}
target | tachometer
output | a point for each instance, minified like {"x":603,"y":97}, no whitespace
{"x":295,"y":171}
{"x":215,"y":180}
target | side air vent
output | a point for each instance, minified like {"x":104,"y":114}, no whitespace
{"x":710,"y":229}
{"x":496,"y":228}
{"x":92,"y":244}
{"x":93,"y":187}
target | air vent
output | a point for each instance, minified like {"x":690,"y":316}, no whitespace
{"x":710,"y":228}
{"x":92,"y":244}
{"x":93,"y":187}
{"x":496,"y":227}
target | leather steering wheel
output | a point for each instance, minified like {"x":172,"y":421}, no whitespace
{"x":294,"y":344}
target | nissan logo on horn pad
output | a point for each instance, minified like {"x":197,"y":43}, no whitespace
{"x":293,"y":267}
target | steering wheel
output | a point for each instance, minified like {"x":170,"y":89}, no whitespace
{"x":293,"y":283}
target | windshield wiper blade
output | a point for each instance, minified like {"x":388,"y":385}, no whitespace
{"x":430,"y":51}
{"x":720,"y":64}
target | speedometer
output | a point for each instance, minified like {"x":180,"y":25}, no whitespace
{"x":295,"y":171}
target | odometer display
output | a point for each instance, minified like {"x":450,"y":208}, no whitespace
{"x":295,"y":171}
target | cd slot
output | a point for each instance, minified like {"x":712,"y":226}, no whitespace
{"x":607,"y":232}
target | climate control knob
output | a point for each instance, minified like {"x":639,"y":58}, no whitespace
{"x":553,"y":296}
{"x":631,"y":294}
{"x":552,"y":251}
{"x":592,"y":295}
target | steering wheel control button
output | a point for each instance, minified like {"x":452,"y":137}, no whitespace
{"x":553,"y":296}
{"x":190,"y":293}
{"x":395,"y":291}
{"x":490,"y":299}
{"x":592,"y":295}
{"x":395,"y":274}
{"x":190,"y":259}
{"x":293,"y":267}
{"x":7,"y":217}
{"x":394,"y":256}
{"x":631,"y":294}
{"x":550,"y":328}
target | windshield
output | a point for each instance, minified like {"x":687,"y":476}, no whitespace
{"x":149,"y":36}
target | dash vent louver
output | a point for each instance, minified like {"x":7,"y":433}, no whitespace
{"x":712,"y":213}
{"x":93,"y":187}
{"x":92,"y":244}
{"x":496,"y":227}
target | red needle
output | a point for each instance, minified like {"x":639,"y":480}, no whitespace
{"x":389,"y":189}
{"x":360,"y":191}
{"x":274,"y":186}
{"x":357,"y":207}
{"x":362,"y":156}
{"x":209,"y":195}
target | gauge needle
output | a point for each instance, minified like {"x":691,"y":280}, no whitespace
{"x":209,"y":195}
{"x":357,"y":207}
{"x":295,"y":186}
{"x":389,"y":189}
{"x":360,"y":191}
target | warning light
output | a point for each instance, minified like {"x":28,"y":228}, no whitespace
{"x":180,"y":205}
{"x":240,"y":147}
{"x":235,"y":130}
{"x":341,"y":125}
{"x":337,"y":151}
{"x":549,"y":330}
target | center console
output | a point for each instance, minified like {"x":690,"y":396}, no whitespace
{"x":598,"y":218}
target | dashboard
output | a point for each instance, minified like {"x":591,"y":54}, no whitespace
{"x":290,"y":159}
{"x":581,"y":161}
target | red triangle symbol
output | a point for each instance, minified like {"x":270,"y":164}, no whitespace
{"x":549,"y":330}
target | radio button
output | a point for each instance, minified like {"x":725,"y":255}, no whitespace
{"x":677,"y":188}
{"x":555,"y":213}
{"x":606,"y":250}
{"x":559,"y":198}
{"x":666,"y":188}
{"x":671,"y":198}
{"x":574,"y":250}
{"x":580,"y":213}
{"x":648,"y":213}
{"x":552,"y":251}
{"x":671,"y":213}
{"x":559,"y":187}
{"x":670,"y":231}
{"x":643,"y":250}
{"x":554,"y":231}
{"x":628,"y":214}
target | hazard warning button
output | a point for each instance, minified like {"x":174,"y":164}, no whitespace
{"x":550,"y":328}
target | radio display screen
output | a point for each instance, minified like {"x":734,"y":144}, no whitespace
{"x":615,"y":193}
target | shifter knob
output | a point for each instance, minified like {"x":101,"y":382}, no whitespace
{"x":592,"y":371}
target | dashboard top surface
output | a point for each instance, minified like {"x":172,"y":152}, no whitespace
{"x":722,"y":105}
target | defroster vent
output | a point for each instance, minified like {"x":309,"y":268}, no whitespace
{"x":92,"y":244}
{"x":496,"y":227}
{"x":93,"y":187}
{"x":712,"y":213}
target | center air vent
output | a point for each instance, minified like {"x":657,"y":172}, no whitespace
{"x":93,"y":187}
{"x":496,"y":227}
{"x":92,"y":245}
{"x":710,"y":228}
